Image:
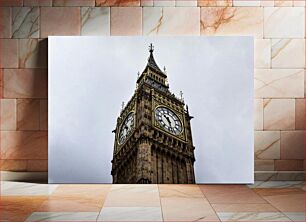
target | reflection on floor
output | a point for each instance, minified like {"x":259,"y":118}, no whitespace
{"x":263,"y":201}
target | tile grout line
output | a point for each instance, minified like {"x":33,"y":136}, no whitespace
{"x":209,"y":203}
{"x":103,"y":203}
{"x":267,"y":202}
{"x":278,"y":210}
{"x":161,"y":209}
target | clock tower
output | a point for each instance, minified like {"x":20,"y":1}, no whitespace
{"x":153,"y":140}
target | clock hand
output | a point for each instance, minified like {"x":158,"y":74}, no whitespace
{"x":170,"y":121}
{"x":167,"y":118}
{"x":126,"y":129}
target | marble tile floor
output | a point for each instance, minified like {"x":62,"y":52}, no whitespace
{"x":262,"y":201}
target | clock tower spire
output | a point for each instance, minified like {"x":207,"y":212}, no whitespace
{"x":153,"y":142}
{"x":151,"y":48}
{"x":153,"y":75}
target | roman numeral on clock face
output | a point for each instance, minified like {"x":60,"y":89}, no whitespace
{"x":168,"y":120}
{"x":126,"y":127}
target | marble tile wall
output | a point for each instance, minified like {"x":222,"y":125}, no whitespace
{"x":278,"y":27}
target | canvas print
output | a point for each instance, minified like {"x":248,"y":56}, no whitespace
{"x":153,"y":142}
{"x":150,"y":110}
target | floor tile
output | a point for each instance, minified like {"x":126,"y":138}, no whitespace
{"x":263,"y":207}
{"x":284,"y":199}
{"x":18,"y":208}
{"x":277,"y":184}
{"x":230,"y":194}
{"x":295,"y":216}
{"x":187,"y":209}
{"x":251,"y":216}
{"x":82,"y":190}
{"x":265,"y":201}
{"x":130,"y":214}
{"x":123,"y":195}
{"x":71,"y":204}
{"x":267,"y":192}
{"x":63,"y":216}
{"x":184,"y":190}
{"x":9,"y":188}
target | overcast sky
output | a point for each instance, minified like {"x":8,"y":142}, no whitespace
{"x":89,"y":77}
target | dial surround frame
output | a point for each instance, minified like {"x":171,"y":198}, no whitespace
{"x":178,"y":112}
{"x":177,"y":129}
{"x":119,"y":141}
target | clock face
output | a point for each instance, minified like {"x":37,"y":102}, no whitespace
{"x":168,"y":120}
{"x":126,"y":127}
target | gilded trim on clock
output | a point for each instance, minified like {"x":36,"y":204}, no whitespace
{"x":181,"y":136}
{"x":119,"y":145}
